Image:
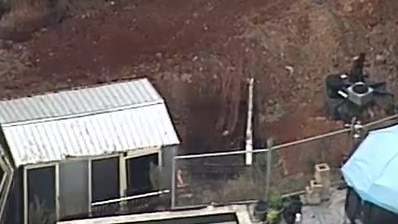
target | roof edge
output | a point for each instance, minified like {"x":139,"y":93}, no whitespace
{"x":41,"y":120}
{"x":77,"y":88}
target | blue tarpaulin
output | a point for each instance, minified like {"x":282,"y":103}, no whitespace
{"x":372,"y":171}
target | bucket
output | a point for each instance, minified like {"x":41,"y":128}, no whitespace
{"x":260,"y":211}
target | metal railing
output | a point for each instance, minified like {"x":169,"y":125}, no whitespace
{"x":148,"y":202}
{"x":151,"y":201}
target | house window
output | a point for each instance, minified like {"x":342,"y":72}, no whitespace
{"x":139,"y":181}
{"x":105,"y":185}
{"x":138,"y":174}
{"x":105,"y":179}
{"x":41,"y":199}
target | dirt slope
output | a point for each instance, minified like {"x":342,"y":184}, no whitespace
{"x":200,"y":54}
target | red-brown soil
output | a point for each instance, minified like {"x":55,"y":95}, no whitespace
{"x":200,"y":54}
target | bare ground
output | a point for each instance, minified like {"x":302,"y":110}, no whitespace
{"x":200,"y":54}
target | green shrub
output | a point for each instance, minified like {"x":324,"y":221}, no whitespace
{"x":275,"y":200}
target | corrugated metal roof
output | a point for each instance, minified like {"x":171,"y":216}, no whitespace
{"x":99,"y":134}
{"x":105,"y":127}
{"x":79,"y":102}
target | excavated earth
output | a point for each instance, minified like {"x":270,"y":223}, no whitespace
{"x":200,"y":55}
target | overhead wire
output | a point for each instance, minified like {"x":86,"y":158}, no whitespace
{"x":301,"y":141}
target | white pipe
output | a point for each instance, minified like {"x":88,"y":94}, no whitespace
{"x":343,"y":94}
{"x":249,"y":129}
{"x":130,"y":198}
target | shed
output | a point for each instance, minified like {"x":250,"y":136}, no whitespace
{"x":87,"y":145}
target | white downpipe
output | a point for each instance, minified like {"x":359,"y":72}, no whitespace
{"x":249,"y":129}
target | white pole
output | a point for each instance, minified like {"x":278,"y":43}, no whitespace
{"x":270,"y":144}
{"x":249,"y":129}
{"x":150,"y":194}
{"x":173,"y":182}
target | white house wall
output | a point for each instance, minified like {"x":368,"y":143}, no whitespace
{"x":94,"y":135}
{"x":168,"y":153}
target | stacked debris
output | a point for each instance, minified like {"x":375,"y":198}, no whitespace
{"x":319,"y":188}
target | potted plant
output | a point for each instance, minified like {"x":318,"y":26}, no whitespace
{"x":273,"y":216}
{"x":275,"y":203}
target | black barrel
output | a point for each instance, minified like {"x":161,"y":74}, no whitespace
{"x":260,"y":210}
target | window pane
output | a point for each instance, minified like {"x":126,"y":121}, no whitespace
{"x":138,"y":174}
{"x":105,"y":179}
{"x":41,"y":195}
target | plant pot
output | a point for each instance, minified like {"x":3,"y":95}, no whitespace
{"x":276,"y":218}
{"x":260,"y":211}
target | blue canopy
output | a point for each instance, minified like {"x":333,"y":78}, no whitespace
{"x":372,"y":171}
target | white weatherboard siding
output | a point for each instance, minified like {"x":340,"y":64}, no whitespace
{"x":99,"y":134}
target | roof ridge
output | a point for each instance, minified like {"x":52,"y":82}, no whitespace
{"x":85,"y":114}
{"x":76,"y":88}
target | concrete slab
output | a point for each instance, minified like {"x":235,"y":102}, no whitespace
{"x":330,"y":212}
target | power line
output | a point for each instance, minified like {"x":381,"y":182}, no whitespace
{"x":301,"y":141}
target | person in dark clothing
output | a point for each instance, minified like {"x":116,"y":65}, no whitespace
{"x":292,"y":212}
